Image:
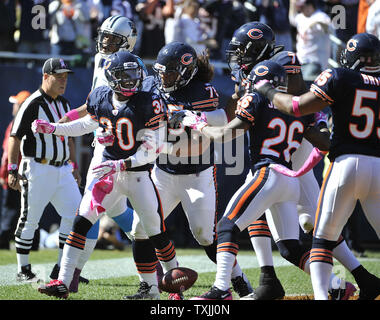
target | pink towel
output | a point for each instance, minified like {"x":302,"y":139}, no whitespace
{"x":99,"y":191}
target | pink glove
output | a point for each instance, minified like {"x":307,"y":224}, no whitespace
{"x":99,"y":192}
{"x":105,"y":138}
{"x":42,"y":126}
{"x":315,"y":156}
{"x":108,"y":168}
{"x":195,"y":122}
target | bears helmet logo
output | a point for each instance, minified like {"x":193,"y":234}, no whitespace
{"x":255,"y":33}
{"x":186,"y":59}
{"x":261,"y":70}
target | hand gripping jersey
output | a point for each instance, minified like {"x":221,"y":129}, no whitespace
{"x":196,"y":96}
{"x":354,"y":101}
{"x":274,"y":136}
{"x":142,"y":110}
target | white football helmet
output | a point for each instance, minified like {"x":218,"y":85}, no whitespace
{"x":116,"y":33}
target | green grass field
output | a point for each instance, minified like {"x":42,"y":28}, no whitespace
{"x":112,"y":274}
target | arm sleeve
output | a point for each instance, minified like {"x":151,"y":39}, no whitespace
{"x":216,"y":118}
{"x":77,"y":127}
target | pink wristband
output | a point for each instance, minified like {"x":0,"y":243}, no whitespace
{"x":296,"y":109}
{"x":74,"y":165}
{"x":12,"y":166}
{"x":72,"y":114}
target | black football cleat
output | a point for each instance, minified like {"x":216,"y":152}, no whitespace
{"x":26,"y":275}
{"x":145,"y":292}
{"x":54,"y":288}
{"x":215,"y":294}
{"x":241,"y":286}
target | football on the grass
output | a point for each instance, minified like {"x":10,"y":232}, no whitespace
{"x":178,"y":280}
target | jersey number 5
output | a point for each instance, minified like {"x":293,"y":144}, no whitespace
{"x":358,"y":110}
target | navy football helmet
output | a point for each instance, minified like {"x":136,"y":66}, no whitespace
{"x":251,"y":43}
{"x":268,"y":70}
{"x":175,"y":66}
{"x":288,"y":60}
{"x":124,"y":73}
{"x":362,"y":53}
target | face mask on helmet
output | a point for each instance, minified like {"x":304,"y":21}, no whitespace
{"x":125,"y":80}
{"x":251,"y":43}
{"x":171,"y":79}
{"x":116,"y":33}
{"x":108,"y":43}
{"x":271,"y":71}
{"x":362,"y":53}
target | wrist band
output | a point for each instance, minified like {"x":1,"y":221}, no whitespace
{"x":74,"y":165}
{"x":12,"y":166}
{"x":72,"y":114}
{"x":296,"y":109}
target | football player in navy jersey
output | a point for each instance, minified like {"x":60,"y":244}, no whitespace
{"x":352,"y":93}
{"x":186,"y":174}
{"x":117,"y":33}
{"x":273,"y":139}
{"x":243,"y":52}
{"x":120,"y":107}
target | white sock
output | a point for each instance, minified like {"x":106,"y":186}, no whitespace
{"x":22,"y":260}
{"x":344,"y":255}
{"x":168,"y":265}
{"x":320,"y":278}
{"x":150,"y":278}
{"x":224,"y":265}
{"x":87,"y":251}
{"x":263,"y":250}
{"x":69,"y":262}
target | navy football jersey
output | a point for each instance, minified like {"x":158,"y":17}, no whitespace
{"x":354,"y":102}
{"x":274,"y":136}
{"x":196,"y":96}
{"x":142,"y":110}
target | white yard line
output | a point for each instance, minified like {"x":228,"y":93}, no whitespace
{"x":124,"y":267}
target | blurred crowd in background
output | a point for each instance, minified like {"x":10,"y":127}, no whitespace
{"x":67,"y":27}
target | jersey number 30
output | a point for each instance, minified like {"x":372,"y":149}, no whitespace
{"x":122,"y":125}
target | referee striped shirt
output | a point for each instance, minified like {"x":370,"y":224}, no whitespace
{"x":41,"y":146}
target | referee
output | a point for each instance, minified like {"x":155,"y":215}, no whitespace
{"x":47,"y":168}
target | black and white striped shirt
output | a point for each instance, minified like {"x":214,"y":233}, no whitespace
{"x":41,"y":146}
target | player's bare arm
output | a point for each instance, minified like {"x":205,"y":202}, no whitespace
{"x":13,"y":156}
{"x":231,"y":106}
{"x":230,"y":131}
{"x":307,"y":103}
